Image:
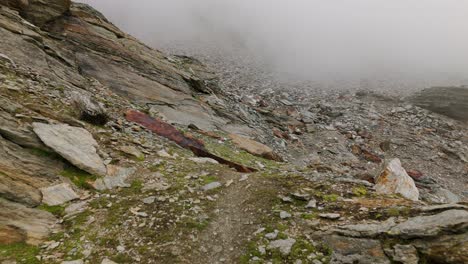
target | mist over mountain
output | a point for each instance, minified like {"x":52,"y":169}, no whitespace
{"x":400,"y":41}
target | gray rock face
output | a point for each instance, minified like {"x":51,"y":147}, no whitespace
{"x":394,"y":179}
{"x":74,"y":144}
{"x":21,"y":224}
{"x":58,"y":194}
{"x":427,"y":226}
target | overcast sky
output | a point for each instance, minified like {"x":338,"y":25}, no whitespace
{"x":314,"y":38}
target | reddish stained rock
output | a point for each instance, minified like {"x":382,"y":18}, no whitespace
{"x":277,"y":133}
{"x":170,"y":132}
{"x":371,"y":156}
{"x":415,"y":174}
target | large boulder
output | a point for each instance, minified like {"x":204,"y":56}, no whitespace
{"x":394,"y":179}
{"x":74,"y":144}
{"x":39,"y":12}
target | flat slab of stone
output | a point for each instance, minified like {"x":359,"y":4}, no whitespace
{"x":117,"y":177}
{"x":394,"y":179}
{"x":433,"y":225}
{"x":58,"y":194}
{"x":74,"y":144}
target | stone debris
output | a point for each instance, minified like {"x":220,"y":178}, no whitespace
{"x":75,"y":144}
{"x":394,"y":179}
{"x":58,"y":194}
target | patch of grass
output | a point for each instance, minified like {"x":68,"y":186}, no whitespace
{"x":122,"y":258}
{"x":397,"y":211}
{"x":330,"y":197}
{"x":301,"y":249}
{"x":360,"y":191}
{"x":228,"y":151}
{"x":79,"y":177}
{"x":44,"y":153}
{"x":20,"y":252}
{"x":56,"y":210}
{"x":136,"y":185}
{"x":194,"y":224}
{"x":309,"y":216}
{"x":209,"y":179}
{"x":250,"y":252}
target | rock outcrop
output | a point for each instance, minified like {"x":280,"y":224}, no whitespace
{"x":449,"y":101}
{"x":39,"y":12}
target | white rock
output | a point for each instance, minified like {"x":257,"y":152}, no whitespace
{"x":204,"y":160}
{"x":394,"y":179}
{"x":284,"y":215}
{"x":211,"y":186}
{"x":76,"y":208}
{"x":58,"y":194}
{"x":311,"y":204}
{"x":149,"y":200}
{"x":75,"y":144}
{"x":330,"y":216}
{"x":284,"y":245}
{"x":272,"y":235}
{"x":78,"y":261}
{"x":107,"y":261}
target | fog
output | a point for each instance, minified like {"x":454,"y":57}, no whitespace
{"x":401,"y":40}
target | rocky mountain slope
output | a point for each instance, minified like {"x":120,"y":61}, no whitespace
{"x":113,"y":152}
